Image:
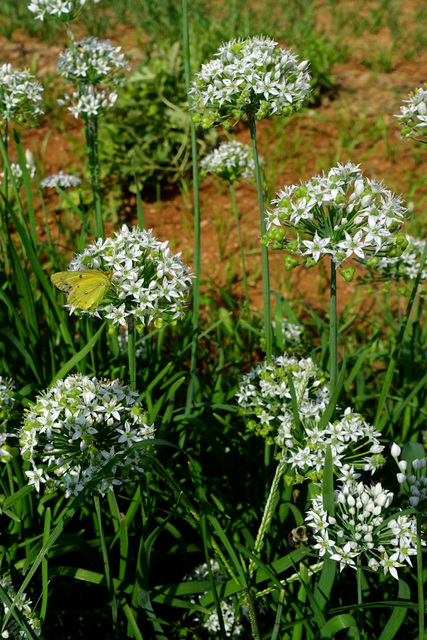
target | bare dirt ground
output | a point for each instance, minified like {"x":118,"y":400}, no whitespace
{"x":361,"y":98}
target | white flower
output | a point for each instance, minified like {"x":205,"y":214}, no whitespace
{"x":412,"y":115}
{"x":60,"y":179}
{"x":12,"y":630}
{"x":231,"y":161}
{"x":20,"y":95}
{"x":253,"y":77}
{"x":64,"y":10}
{"x":76,"y":426}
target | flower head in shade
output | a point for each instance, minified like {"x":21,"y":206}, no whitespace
{"x":13,"y":630}
{"x":63,"y":10}
{"x":412,"y":479}
{"x":76,"y":427}
{"x":7,"y":404}
{"x":360,"y":529}
{"x":251,"y":77}
{"x":60,"y":179}
{"x":413,"y":115}
{"x":231,"y":161}
{"x":20,"y":96}
{"x":342,"y":214}
{"x":94,"y":66}
{"x":149,"y":283}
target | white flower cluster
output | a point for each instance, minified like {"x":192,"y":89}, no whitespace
{"x":76,"y":427}
{"x":360,"y":527}
{"x":7,"y":400}
{"x":231,"y":161}
{"x":341,"y":214}
{"x":93,"y":66}
{"x":252,"y":77}
{"x":64,"y":10}
{"x":404,"y":266}
{"x":92,"y":61}
{"x":20,"y":95}
{"x":60,"y":179}
{"x":233,"y":627}
{"x":291,"y":332}
{"x":350,"y":438}
{"x":16,"y":171}
{"x":24,"y":605}
{"x":148,"y":281}
{"x":414,"y":484}
{"x":413,"y":117}
{"x":264,"y":393}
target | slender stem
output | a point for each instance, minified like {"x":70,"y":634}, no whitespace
{"x":242,"y":250}
{"x":107,"y":570}
{"x":264,"y":250}
{"x":91,"y":131}
{"x":196,"y":206}
{"x":132,"y":351}
{"x":333,"y":329}
{"x":360,"y":614}
{"x":252,"y":617}
{"x":420,"y":580}
{"x":268,"y":513}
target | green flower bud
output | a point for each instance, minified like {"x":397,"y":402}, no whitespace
{"x":372,"y":262}
{"x":301,"y":191}
{"x":402,"y":241}
{"x":290,"y":262}
{"x":405,"y":131}
{"x":394,"y":252}
{"x":348,"y":273}
{"x":309,"y":262}
{"x":293,"y":245}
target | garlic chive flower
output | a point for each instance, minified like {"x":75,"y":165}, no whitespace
{"x":360,"y":530}
{"x":342,"y":215}
{"x":63,"y":10}
{"x":149,"y":283}
{"x":404,"y":266}
{"x":17,"y":173}
{"x":7,"y":404}
{"x":413,"y":116}
{"x":60,"y":179}
{"x":75,"y":427}
{"x":413,"y":480}
{"x":250,"y":77}
{"x":20,"y":96}
{"x":94,"y":67}
{"x":231,"y":161}
{"x":13,"y":630}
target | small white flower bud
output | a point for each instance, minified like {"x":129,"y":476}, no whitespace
{"x":395,"y":450}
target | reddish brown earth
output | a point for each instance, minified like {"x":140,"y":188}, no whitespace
{"x":339,"y":129}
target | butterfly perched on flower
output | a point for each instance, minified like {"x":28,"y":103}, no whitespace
{"x":85,"y":288}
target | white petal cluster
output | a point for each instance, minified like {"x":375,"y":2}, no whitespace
{"x":20,"y":95}
{"x":342,"y":214}
{"x":231,"y":161}
{"x":252,"y":77}
{"x":404,"y":266}
{"x":60,"y":179}
{"x":149,"y":283}
{"x":16,"y":171}
{"x":413,"y":480}
{"x":92,"y":61}
{"x":76,"y":427}
{"x":94,"y":66}
{"x":290,"y":332}
{"x":64,"y":10}
{"x":233,"y":627}
{"x":413,"y":115}
{"x":7,"y":400}
{"x":13,"y":630}
{"x":265,"y":398}
{"x":360,"y":527}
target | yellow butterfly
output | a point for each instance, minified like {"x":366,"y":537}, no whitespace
{"x":86,"y":288}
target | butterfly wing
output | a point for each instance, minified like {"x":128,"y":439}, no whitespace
{"x":86,"y":289}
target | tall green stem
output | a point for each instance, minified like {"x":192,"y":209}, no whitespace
{"x":420,"y":580}
{"x":132,"y":351}
{"x":333,"y":330}
{"x":107,"y":569}
{"x":196,"y":206}
{"x":360,"y":614}
{"x":242,"y":250}
{"x":264,"y":249}
{"x":91,"y":131}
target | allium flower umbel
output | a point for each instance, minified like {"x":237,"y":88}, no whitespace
{"x":250,"y":77}
{"x":13,"y":630}
{"x":360,"y":531}
{"x":63,"y":10}
{"x":94,"y":67}
{"x":413,"y":481}
{"x":60,"y":179}
{"x":413,"y":117}
{"x":20,"y":96}
{"x":342,"y":214}
{"x":149,"y":283}
{"x":231,"y":161}
{"x":7,"y":403}
{"x":265,"y":397}
{"x":76,"y":427}
{"x":403,"y":267}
